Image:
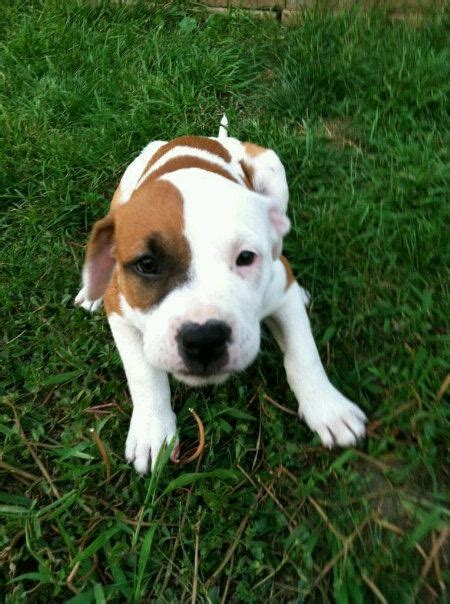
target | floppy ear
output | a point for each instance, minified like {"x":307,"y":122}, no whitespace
{"x":99,"y":263}
{"x":265,"y":173}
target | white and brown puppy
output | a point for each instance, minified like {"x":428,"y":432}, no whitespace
{"x":188,"y":264}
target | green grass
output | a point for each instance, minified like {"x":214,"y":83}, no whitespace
{"x":358,"y":109}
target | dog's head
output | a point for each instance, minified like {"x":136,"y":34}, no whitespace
{"x":188,"y":259}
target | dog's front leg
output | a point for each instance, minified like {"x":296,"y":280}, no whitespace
{"x":153,"y":422}
{"x":324,"y":408}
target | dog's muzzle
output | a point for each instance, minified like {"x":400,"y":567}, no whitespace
{"x":204,"y":347}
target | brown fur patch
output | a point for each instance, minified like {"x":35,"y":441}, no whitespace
{"x":154,"y":213}
{"x":117,"y":197}
{"x":111,"y":297}
{"x":290,"y":279}
{"x":196,"y":142}
{"x":188,"y":161}
{"x":248,"y":174}
{"x":253,"y":150}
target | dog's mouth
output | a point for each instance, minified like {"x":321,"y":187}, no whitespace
{"x":201,"y":378}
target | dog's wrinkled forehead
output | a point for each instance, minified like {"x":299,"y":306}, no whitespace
{"x":219,"y":214}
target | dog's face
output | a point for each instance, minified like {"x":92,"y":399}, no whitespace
{"x":193,"y":258}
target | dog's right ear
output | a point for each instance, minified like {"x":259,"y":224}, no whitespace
{"x":99,"y":263}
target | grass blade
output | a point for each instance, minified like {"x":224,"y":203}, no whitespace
{"x":142,"y":562}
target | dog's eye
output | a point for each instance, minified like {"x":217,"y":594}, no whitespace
{"x":245,"y":258}
{"x":148,"y":266}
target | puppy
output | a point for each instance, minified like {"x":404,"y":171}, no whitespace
{"x":188,"y":263}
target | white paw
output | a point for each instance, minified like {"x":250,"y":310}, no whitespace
{"x":336,"y":420}
{"x":306,"y":296}
{"x":145,"y":439}
{"x":89,"y":305}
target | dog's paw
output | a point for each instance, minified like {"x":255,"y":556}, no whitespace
{"x":306,"y":296}
{"x":145,"y":439}
{"x":336,"y":420}
{"x":89,"y":305}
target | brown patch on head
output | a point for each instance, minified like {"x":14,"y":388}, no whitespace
{"x":111,"y":297}
{"x":117,"y":198}
{"x":187,"y":161}
{"x":151,"y":224}
{"x":253,"y":150}
{"x":196,"y":142}
{"x":248,"y":174}
{"x":290,"y":279}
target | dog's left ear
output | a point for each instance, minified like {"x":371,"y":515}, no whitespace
{"x":99,"y":262}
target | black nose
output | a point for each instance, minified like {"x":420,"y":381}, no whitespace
{"x":203,"y":347}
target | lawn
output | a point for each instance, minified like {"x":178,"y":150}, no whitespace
{"x":357,"y":106}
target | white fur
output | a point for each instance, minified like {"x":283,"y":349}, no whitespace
{"x":222,"y":219}
{"x":223,"y":128}
{"x":233,"y":169}
{"x":325,"y":409}
{"x":153,"y":423}
{"x":133,"y":173}
{"x":89,"y":305}
{"x":220,"y":222}
{"x":81,"y":299}
{"x":270,"y":177}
